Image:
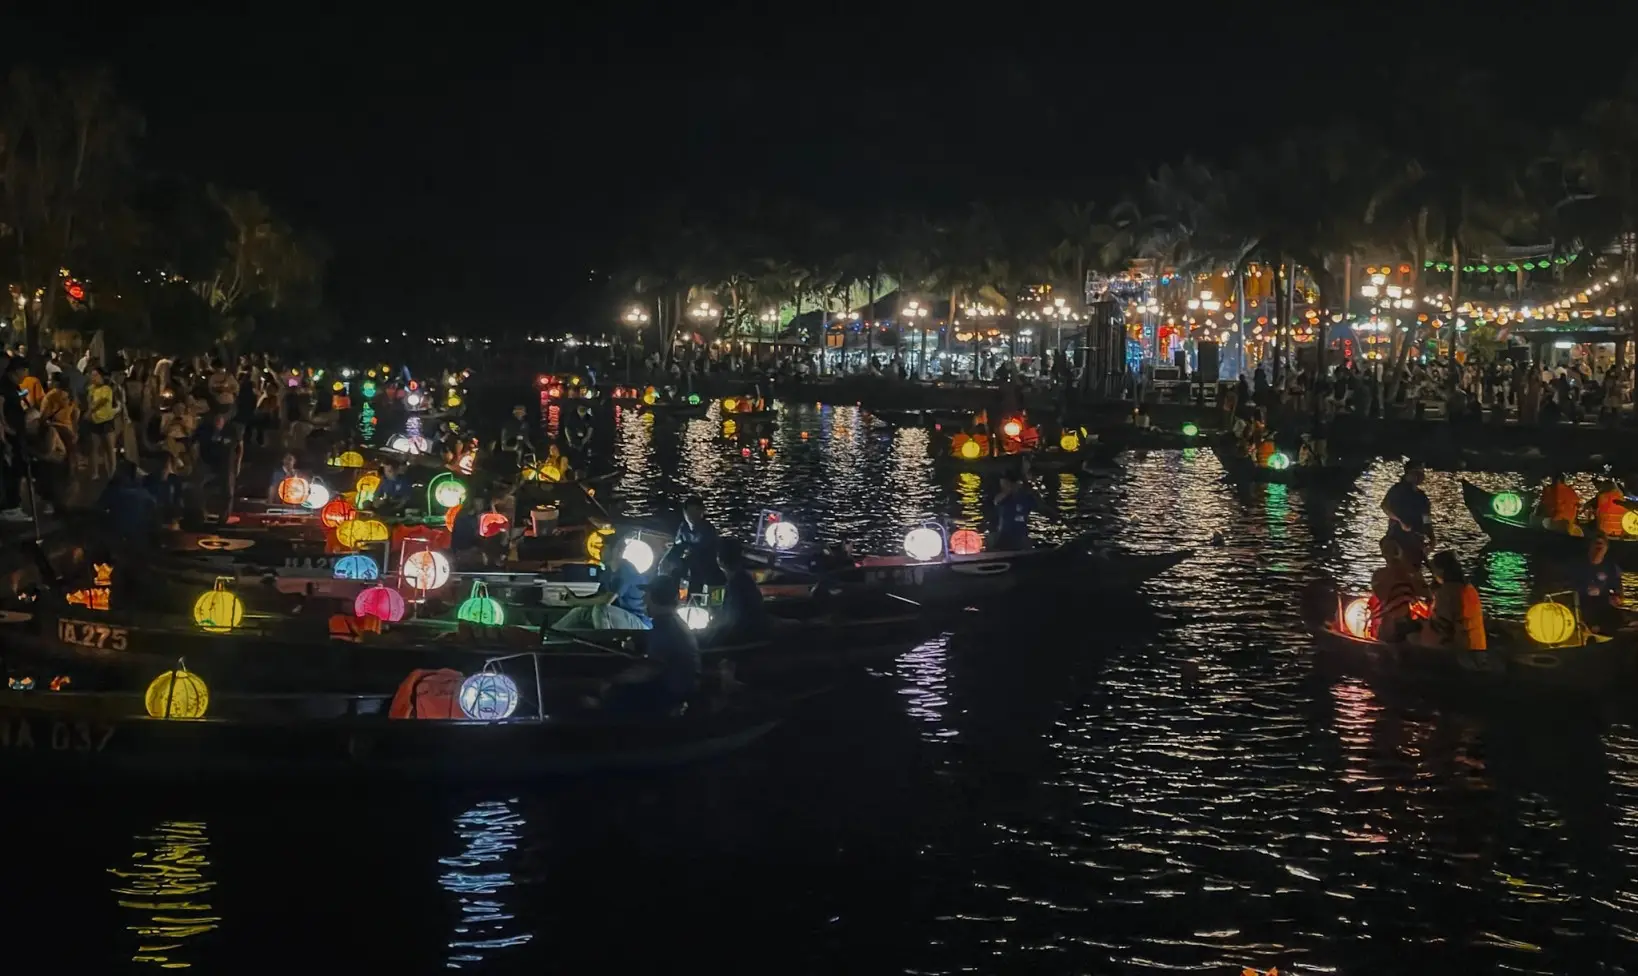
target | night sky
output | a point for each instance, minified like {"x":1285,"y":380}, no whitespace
{"x":475,"y":174}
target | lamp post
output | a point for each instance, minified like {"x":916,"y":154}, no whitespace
{"x":636,"y":317}
{"x":911,"y":312}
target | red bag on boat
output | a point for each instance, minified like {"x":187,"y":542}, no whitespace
{"x":428,"y":693}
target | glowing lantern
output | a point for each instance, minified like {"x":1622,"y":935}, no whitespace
{"x":1629,"y":522}
{"x":381,"y":602}
{"x":1356,"y":617}
{"x":594,"y":542}
{"x":426,"y":570}
{"x":729,"y":404}
{"x":453,"y":401}
{"x":350,"y":459}
{"x":1012,"y":428}
{"x":480,"y":608}
{"x":730,"y":428}
{"x":356,"y":533}
{"x":1191,"y":430}
{"x":336,"y":511}
{"x":1278,"y":461}
{"x":1070,"y":442}
{"x":293,"y":490}
{"x":966,"y":542}
{"x":177,"y":694}
{"x":217,"y":610}
{"x":1508,"y":505}
{"x":450,"y":517}
{"x":488,"y":696}
{"x":365,"y":488}
{"x":368,"y":389}
{"x":318,"y":496}
{"x":782,"y":536}
{"x":640,"y":554}
{"x":1549,"y":623}
{"x":649,"y":396}
{"x":970,"y":450}
{"x":445,"y":491}
{"x":491,"y":524}
{"x":413,"y":401}
{"x":357,"y":567}
{"x":923,"y":544}
{"x":693,"y":399}
{"x":695,"y":618}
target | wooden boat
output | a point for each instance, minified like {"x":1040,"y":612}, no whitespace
{"x":1336,"y":477}
{"x":1522,"y":534}
{"x":1512,"y":664}
{"x":102,"y":735}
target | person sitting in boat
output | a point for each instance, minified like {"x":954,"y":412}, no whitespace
{"x":1558,"y":505}
{"x":669,"y":674}
{"x":1013,"y":504}
{"x":1458,"y":617}
{"x":1395,"y":588}
{"x":286,"y":469}
{"x":1598,"y":582}
{"x":1608,"y":508}
{"x":693,"y":554}
{"x":394,"y":492}
{"x":741,"y":618}
{"x":1410,"y":514}
{"x":618,"y":603}
{"x":514,"y":434}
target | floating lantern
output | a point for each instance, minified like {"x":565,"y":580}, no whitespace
{"x":1356,"y":617}
{"x":923,"y":544}
{"x":1070,"y":442}
{"x":970,"y":450}
{"x":293,"y":490}
{"x":381,"y":602}
{"x":694,"y":617}
{"x":336,"y":511}
{"x":480,"y":608}
{"x":1549,"y":623}
{"x":1191,"y":430}
{"x":966,"y":542}
{"x":1629,"y":522}
{"x":445,"y":491}
{"x":178,"y":693}
{"x":217,"y":610}
{"x":491,"y":524}
{"x":356,"y":533}
{"x":782,"y":536}
{"x":350,"y":459}
{"x":640,"y":554}
{"x":1508,"y":504}
{"x":426,"y":570}
{"x":357,"y":567}
{"x":1278,"y":461}
{"x":318,"y":496}
{"x":488,"y":696}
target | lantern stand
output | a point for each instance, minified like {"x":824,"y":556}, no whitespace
{"x":534,"y":659}
{"x":403,"y":556}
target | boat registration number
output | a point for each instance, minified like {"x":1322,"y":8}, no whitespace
{"x":83,"y":633}
{"x":57,"y":735}
{"x":914,"y":575}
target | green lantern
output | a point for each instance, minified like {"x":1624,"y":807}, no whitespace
{"x":1278,"y":462}
{"x":693,"y":399}
{"x":1507,"y":504}
{"x":444,"y":492}
{"x":1190,"y":430}
{"x":481,"y":609}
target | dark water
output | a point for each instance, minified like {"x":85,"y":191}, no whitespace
{"x":1104,"y":789}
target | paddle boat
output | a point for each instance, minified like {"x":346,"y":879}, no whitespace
{"x":1505,"y":517}
{"x":1279,"y":469}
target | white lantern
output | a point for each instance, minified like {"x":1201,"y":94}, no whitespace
{"x":427,"y":570}
{"x":696,"y":618}
{"x":399,"y":443}
{"x":923,"y":544}
{"x":782,"y":536}
{"x":640,"y":554}
{"x":489,"y":696}
{"x":318,"y":496}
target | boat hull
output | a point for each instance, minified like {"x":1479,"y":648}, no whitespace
{"x":1519,"y":669}
{"x":1521,"y":536}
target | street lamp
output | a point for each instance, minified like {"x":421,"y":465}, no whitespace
{"x":636,"y":317}
{"x":913,"y":311}
{"x":768,"y":320}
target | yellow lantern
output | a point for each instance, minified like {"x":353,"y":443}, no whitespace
{"x":594,"y":542}
{"x":366,"y":486}
{"x":970,"y":450}
{"x":177,"y":694}
{"x":649,"y":396}
{"x":1550,"y":623}
{"x":1629,"y":522}
{"x":355,"y":532}
{"x":729,"y":404}
{"x":217,"y":610}
{"x":1356,"y":617}
{"x":1070,"y":442}
{"x":350,"y":459}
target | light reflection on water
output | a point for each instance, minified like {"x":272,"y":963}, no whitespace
{"x":166,"y":892}
{"x":478,"y":878}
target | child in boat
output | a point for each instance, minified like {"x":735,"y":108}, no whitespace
{"x":1458,"y":617}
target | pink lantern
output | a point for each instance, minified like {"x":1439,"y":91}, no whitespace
{"x":492,"y":524}
{"x":381,"y":603}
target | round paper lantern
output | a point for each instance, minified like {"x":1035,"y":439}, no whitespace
{"x":357,"y":532}
{"x":1629,"y":522}
{"x":426,"y":570}
{"x":782,"y":536}
{"x":365,"y":488}
{"x":381,"y":602}
{"x":449,"y":493}
{"x":966,"y":542}
{"x":356,"y":567}
{"x":336,"y":511}
{"x":649,"y":396}
{"x":293,"y":490}
{"x":177,"y":694}
{"x":217,"y":610}
{"x":923,"y":544}
{"x":693,"y":399}
{"x":481,"y":609}
{"x":368,"y":389}
{"x":1070,"y":442}
{"x":1278,"y":461}
{"x":488,"y":696}
{"x":694,"y":617}
{"x":970,"y":450}
{"x":640,"y":554}
{"x":1549,"y":623}
{"x":729,"y":403}
{"x":1191,"y":430}
{"x":1507,"y":504}
{"x":1356,"y":617}
{"x":1012,"y":428}
{"x":491,"y":524}
{"x":730,"y":428}
{"x":594,"y":542}
{"x":350,"y":459}
{"x":318,"y":496}
{"x":450,"y":517}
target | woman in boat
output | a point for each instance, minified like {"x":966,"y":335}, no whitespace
{"x":1458,"y":617}
{"x":1558,"y":505}
{"x":1608,"y":508}
{"x":1598,"y":583}
{"x":1394,"y":589}
{"x":618,"y":603}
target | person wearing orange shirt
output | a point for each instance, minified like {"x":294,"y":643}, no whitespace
{"x":1458,"y":616}
{"x":1609,"y":508}
{"x":1559,"y":504}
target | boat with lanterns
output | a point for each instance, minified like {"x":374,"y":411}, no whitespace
{"x":1277,"y":468}
{"x":1131,"y":437}
{"x":1506,"y":517}
{"x":1014,"y":444}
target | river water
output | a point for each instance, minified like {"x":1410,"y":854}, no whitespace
{"x":1095,"y":788}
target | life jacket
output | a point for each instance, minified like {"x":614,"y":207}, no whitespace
{"x":1460,"y":626}
{"x":1265,"y":450}
{"x":1031,"y":438}
{"x":1610,"y":513}
{"x":428,"y":693}
{"x":1559,"y":503}
{"x":1394,"y":588}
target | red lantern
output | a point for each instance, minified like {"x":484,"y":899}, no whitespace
{"x":336,"y":511}
{"x":491,"y":524}
{"x":381,"y":603}
{"x":966,"y":542}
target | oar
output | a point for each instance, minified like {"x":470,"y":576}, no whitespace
{"x":903,"y":598}
{"x":596,"y":646}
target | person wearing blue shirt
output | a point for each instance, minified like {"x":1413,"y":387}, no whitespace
{"x":618,"y":604}
{"x":287,"y":469}
{"x":1410,"y":514}
{"x":669,"y":674}
{"x":741,"y":618}
{"x":1598,"y":581}
{"x":693,"y":554}
{"x":394,"y":492}
{"x":1012,"y":507}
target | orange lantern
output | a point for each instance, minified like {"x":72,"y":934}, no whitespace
{"x":293,"y":490}
{"x":966,"y":542}
{"x":450,"y":516}
{"x":336,"y":511}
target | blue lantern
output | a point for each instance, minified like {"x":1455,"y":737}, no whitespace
{"x":357,"y":567}
{"x":489,"y":696}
